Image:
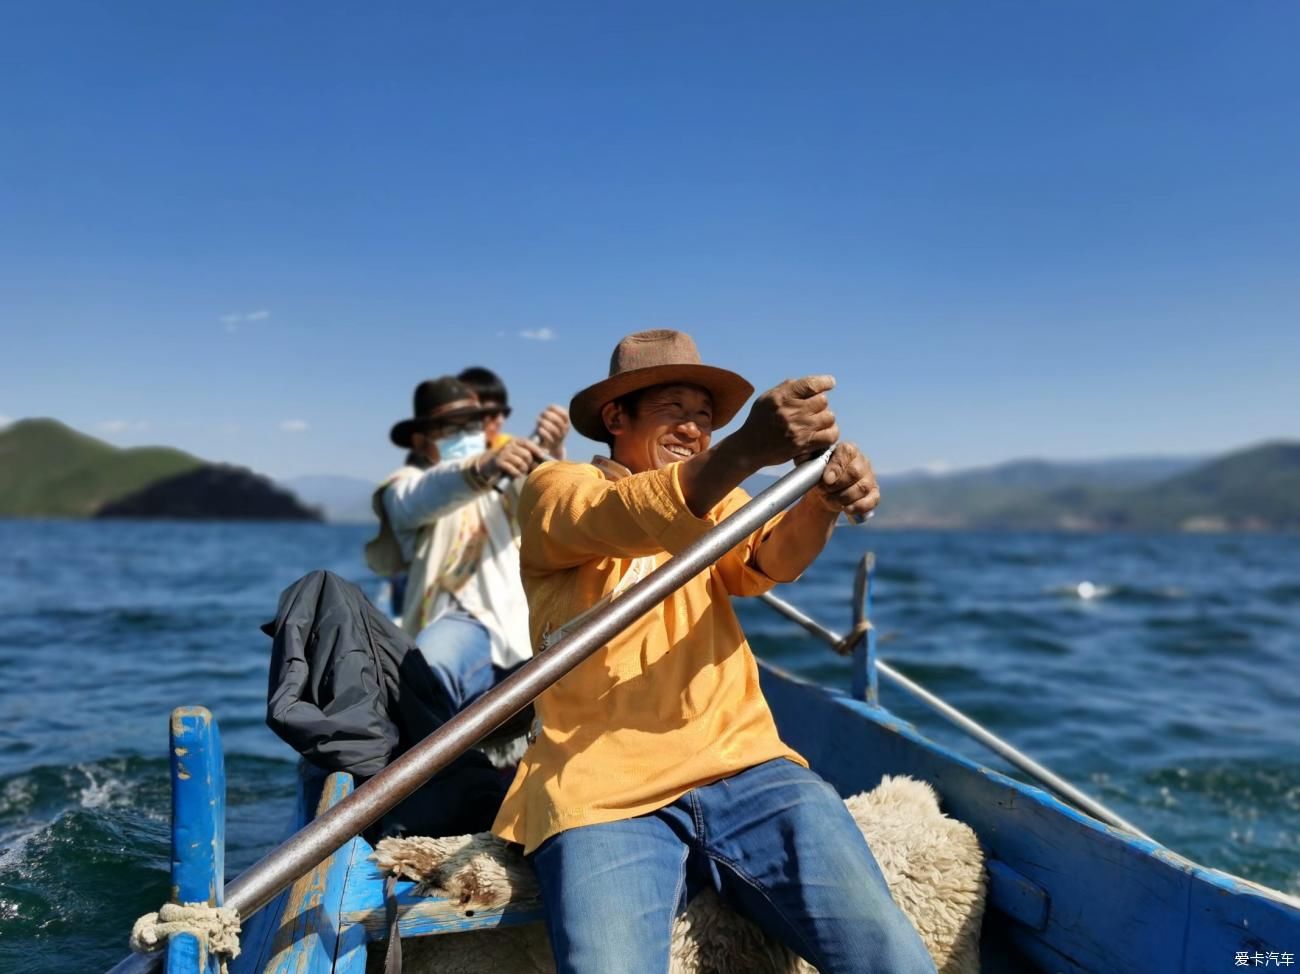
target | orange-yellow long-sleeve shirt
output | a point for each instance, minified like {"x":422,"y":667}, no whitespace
{"x":670,"y":704}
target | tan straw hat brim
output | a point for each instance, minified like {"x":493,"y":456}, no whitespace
{"x":729,"y":392}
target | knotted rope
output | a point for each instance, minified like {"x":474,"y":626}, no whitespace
{"x":855,"y":635}
{"x":217,"y":927}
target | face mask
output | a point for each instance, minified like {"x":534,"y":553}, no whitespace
{"x":461,"y":446}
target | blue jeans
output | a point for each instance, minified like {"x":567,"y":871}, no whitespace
{"x":777,"y":844}
{"x":458,"y":650}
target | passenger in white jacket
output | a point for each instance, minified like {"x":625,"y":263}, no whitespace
{"x":447,"y":518}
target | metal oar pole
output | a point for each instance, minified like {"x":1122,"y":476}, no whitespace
{"x":979,"y":732}
{"x":317,"y":840}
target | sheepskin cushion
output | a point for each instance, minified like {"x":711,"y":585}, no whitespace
{"x":932,"y":863}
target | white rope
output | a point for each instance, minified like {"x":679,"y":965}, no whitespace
{"x":216,"y":927}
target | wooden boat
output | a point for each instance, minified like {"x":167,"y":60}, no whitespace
{"x":1067,"y":893}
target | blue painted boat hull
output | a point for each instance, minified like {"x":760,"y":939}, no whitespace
{"x":1066,"y":892}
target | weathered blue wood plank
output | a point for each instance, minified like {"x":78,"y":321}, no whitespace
{"x":1017,"y":897}
{"x":420,"y":916}
{"x":1227,"y":914}
{"x":350,"y":955}
{"x":308,"y":936}
{"x":198,"y":782}
{"x":198,"y":808}
{"x":259,"y":930}
{"x":185,"y":955}
{"x":256,"y":934}
{"x":1117,"y":904}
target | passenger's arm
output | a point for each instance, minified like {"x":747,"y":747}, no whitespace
{"x":418,"y":499}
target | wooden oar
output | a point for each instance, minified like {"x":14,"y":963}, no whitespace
{"x":318,"y":840}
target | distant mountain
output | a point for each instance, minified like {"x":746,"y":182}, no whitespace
{"x":1252,"y":489}
{"x":343,"y":500}
{"x":1257,"y":488}
{"x":48,"y":469}
{"x":212,"y":492}
{"x":1046,"y":474}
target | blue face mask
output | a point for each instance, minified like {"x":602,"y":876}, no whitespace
{"x":461,"y":446}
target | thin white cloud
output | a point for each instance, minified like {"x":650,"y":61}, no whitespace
{"x":294,"y":426}
{"x":937,"y":467}
{"x":5,"y":421}
{"x":538,"y":334}
{"x":234,"y":319}
{"x":122,"y":426}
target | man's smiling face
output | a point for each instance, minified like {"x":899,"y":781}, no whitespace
{"x":667,"y":424}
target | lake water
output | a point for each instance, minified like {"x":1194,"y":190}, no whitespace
{"x":1173,"y":694}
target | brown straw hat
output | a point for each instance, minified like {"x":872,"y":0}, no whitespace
{"x":653,"y":358}
{"x":436,"y":402}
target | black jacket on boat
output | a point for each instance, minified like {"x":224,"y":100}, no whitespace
{"x":349,"y":691}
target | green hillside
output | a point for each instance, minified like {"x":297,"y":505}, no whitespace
{"x":1257,"y":488}
{"x":1254,"y":488}
{"x":50,"y":470}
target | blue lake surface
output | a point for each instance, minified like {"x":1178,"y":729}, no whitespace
{"x":1173,"y":694}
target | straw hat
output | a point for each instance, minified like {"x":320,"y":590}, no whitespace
{"x":653,"y":358}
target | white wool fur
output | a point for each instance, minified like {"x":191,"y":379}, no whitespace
{"x":933,"y":865}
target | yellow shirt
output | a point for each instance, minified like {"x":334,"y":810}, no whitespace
{"x":673,"y":702}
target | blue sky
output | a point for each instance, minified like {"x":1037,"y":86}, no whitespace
{"x":1009,"y":229}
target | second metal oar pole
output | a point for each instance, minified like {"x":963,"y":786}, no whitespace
{"x":979,"y":732}
{"x":317,"y":840}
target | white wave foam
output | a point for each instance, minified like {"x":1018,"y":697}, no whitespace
{"x":1085,"y":590}
{"x":13,"y":844}
{"x":101,"y":794}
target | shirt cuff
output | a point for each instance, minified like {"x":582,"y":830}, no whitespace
{"x":469,"y":470}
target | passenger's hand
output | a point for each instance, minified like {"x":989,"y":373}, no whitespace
{"x":791,"y":421}
{"x":848,"y":483}
{"x":513,"y":459}
{"x":552,"y":428}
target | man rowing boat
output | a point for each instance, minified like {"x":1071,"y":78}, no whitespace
{"x":657,"y":769}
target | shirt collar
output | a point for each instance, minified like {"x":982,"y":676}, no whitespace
{"x":612,"y":469}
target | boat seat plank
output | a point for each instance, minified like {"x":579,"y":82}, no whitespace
{"x":420,"y":916}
